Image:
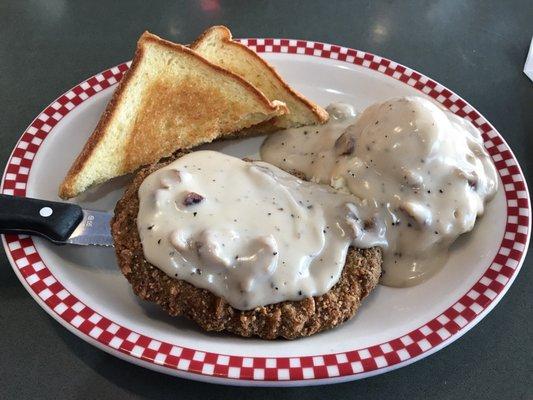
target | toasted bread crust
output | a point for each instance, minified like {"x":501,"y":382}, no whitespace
{"x":67,"y":188}
{"x":289,"y":319}
{"x":321,"y":114}
{"x":150,"y":37}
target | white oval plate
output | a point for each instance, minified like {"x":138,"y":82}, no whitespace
{"x":83,"y":289}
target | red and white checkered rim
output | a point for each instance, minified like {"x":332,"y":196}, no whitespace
{"x":120,"y":340}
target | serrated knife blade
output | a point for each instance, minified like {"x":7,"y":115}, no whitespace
{"x":94,"y":229}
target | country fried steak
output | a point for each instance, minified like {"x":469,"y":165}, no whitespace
{"x":288,"y":319}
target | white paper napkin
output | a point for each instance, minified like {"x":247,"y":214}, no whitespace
{"x":528,"y":67}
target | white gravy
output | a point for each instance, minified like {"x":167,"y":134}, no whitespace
{"x":248,"y":231}
{"x":423,"y":169}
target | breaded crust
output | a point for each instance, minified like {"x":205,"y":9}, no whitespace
{"x":289,"y":319}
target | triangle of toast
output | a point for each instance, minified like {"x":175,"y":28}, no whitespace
{"x":216,"y":45}
{"x":170,"y":99}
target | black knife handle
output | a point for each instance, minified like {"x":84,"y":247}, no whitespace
{"x":51,"y":219}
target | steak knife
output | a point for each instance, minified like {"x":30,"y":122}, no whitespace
{"x":60,"y":223}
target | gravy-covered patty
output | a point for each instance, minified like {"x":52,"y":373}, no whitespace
{"x":288,"y":319}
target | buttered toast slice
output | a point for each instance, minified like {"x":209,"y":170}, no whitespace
{"x":170,"y":99}
{"x":216,"y":45}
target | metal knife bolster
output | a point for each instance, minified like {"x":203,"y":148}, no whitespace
{"x":58,"y":222}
